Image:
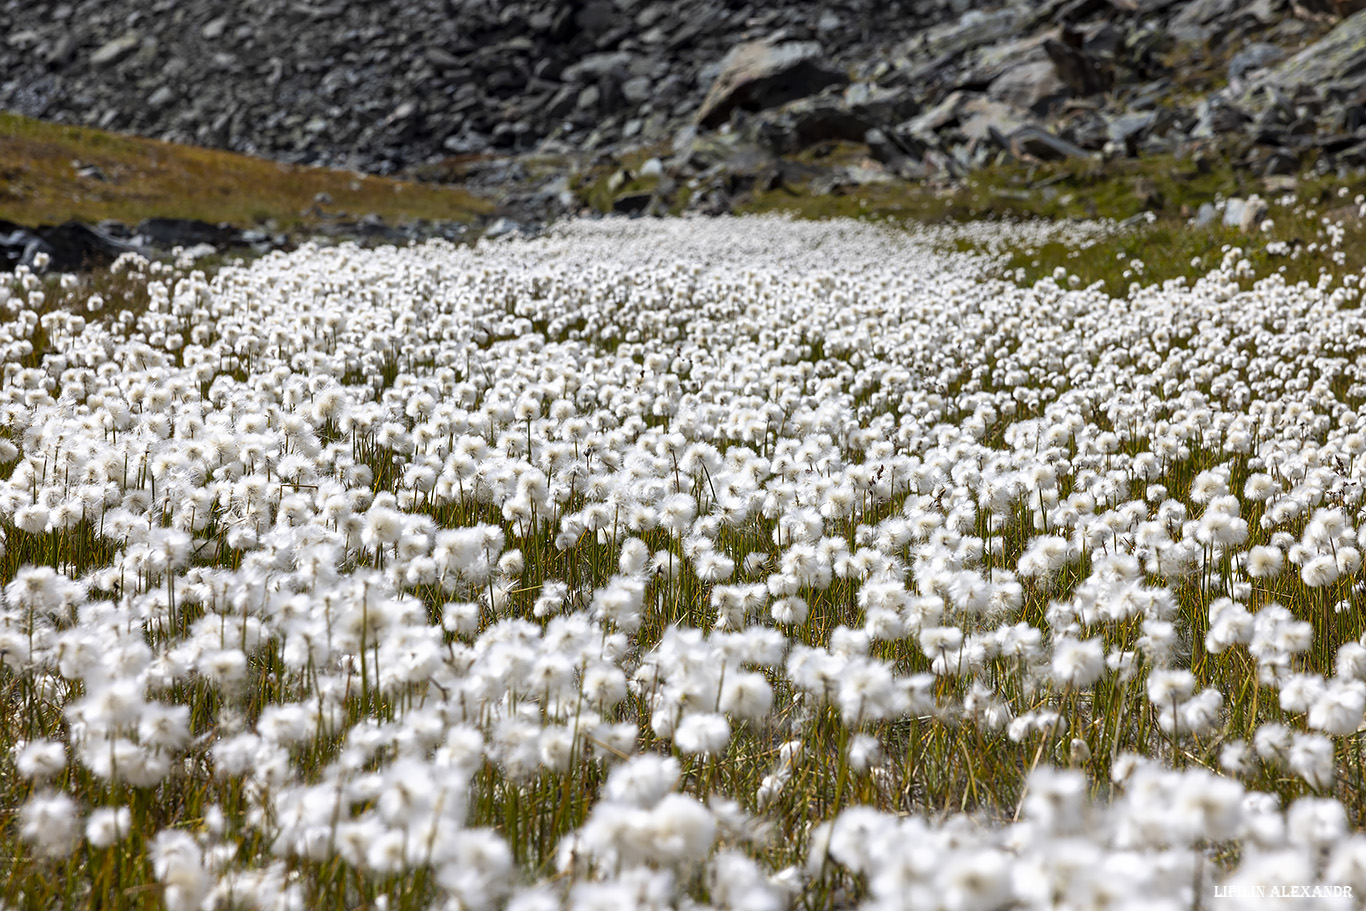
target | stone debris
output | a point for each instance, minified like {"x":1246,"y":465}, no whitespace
{"x":518,"y":98}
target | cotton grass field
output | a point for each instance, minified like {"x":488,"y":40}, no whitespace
{"x":742,"y":564}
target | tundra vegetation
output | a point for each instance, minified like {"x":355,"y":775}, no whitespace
{"x":733,"y":563}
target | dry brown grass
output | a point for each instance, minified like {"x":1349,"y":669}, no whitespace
{"x":143,"y":178}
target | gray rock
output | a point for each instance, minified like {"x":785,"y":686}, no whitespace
{"x":877,"y":104}
{"x":1280,"y":162}
{"x":1030,"y":86}
{"x":944,"y":113}
{"x":71,"y":246}
{"x":503,"y":227}
{"x":442,"y":59}
{"x":632,"y":204}
{"x":214,"y":28}
{"x":1252,"y":57}
{"x":1035,"y":142}
{"x":1202,"y":12}
{"x":19,"y":246}
{"x":562,"y":102}
{"x":974,"y":29}
{"x":988,"y":63}
{"x":596,"y":66}
{"x":112,"y":52}
{"x":652,"y":14}
{"x":185,"y":232}
{"x":636,"y":89}
{"x":1254,"y":213}
{"x":1079,"y":71}
{"x":803,"y":123}
{"x":63,"y":51}
{"x":981,"y":117}
{"x":596,"y":16}
{"x":1128,"y":129}
{"x":23,"y":39}
{"x":882,"y":146}
{"x":865,"y":174}
{"x":1085,"y":128}
{"x":325,"y":81}
{"x":262,"y":76}
{"x":684,"y":141}
{"x":1214,"y":116}
{"x":1072,"y":11}
{"x":758,"y":75}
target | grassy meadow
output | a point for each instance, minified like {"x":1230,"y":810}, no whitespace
{"x":52,"y":173}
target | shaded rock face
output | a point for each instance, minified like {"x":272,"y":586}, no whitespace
{"x":758,"y":75}
{"x":68,"y":247}
{"x":387,"y":83}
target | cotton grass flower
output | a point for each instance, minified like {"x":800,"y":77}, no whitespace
{"x":1264,"y":562}
{"x":1339,"y":708}
{"x":1311,"y":757}
{"x":703,"y":733}
{"x":1078,"y":663}
{"x":620,"y":603}
{"x":657,"y":517}
{"x":51,"y":822}
{"x":108,"y":825}
{"x":1320,"y":571}
{"x":41,"y":759}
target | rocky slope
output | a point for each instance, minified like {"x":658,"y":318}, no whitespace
{"x":379,"y":84}
{"x":711,"y":97}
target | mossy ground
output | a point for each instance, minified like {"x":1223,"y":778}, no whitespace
{"x":1160,"y":193}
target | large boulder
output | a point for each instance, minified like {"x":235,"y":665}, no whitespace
{"x":807,"y":121}
{"x":757,"y":75}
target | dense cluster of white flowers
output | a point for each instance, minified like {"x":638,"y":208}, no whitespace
{"x":700,"y":544}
